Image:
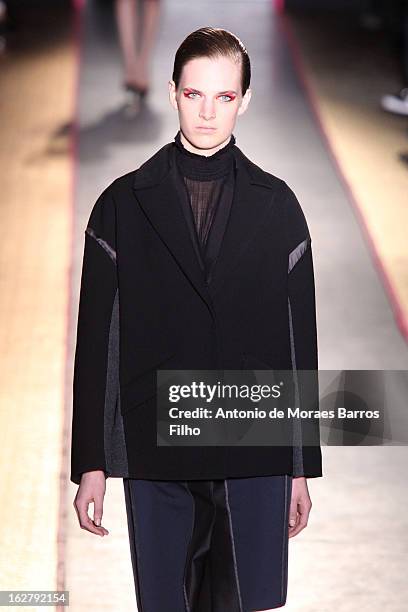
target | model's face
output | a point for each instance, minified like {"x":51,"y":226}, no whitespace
{"x":208,"y":100}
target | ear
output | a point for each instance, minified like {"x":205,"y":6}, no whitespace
{"x":172,"y":94}
{"x":245,"y":101}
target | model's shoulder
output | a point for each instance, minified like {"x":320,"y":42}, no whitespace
{"x":147,"y":173}
{"x":283,"y":192}
{"x":283,"y":197}
{"x":121,"y":183}
{"x":275,"y":182}
{"x":259,"y":175}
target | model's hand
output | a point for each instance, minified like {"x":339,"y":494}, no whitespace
{"x":300,"y":506}
{"x":91,"y":489}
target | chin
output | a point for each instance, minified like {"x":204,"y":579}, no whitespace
{"x":210,"y":138}
{"x":201,"y":140}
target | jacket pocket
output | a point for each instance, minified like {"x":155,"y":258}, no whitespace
{"x":144,"y":385}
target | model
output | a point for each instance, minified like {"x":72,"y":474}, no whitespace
{"x":197,"y":260}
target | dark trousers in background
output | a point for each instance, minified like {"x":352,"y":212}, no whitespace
{"x":209,"y":545}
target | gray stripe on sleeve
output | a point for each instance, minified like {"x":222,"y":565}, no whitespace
{"x":297,"y":253}
{"x":111,"y":252}
{"x":115,"y":446}
{"x":297,"y":425}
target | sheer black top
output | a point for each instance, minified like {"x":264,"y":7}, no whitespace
{"x":208,"y":182}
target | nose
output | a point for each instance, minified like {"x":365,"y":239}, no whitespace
{"x":207,"y":110}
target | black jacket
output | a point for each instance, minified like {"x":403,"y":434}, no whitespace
{"x":145,"y":304}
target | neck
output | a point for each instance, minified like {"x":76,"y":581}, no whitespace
{"x":204,"y":152}
{"x":204,"y":167}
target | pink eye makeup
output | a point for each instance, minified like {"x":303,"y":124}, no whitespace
{"x":187,"y":92}
{"x":191,"y":94}
{"x":230,"y":95}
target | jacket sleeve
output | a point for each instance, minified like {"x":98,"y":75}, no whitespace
{"x":97,"y":293}
{"x":307,"y":458}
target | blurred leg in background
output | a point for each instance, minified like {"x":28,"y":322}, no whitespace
{"x":135,"y":27}
{"x":3,"y":22}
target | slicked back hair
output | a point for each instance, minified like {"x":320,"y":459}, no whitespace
{"x":212,"y":42}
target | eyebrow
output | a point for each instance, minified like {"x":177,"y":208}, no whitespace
{"x":227,"y":91}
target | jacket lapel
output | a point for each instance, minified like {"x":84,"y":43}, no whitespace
{"x":156,"y":191}
{"x":251,"y":202}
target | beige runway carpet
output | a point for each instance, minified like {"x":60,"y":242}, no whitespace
{"x":348,"y":70}
{"x":37,"y":76}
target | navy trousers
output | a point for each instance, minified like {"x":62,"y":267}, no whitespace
{"x":209,"y":545}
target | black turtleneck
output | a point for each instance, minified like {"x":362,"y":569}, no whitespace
{"x":204,"y":178}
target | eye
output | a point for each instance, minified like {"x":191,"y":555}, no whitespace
{"x":188,"y":94}
{"x":227,"y":96}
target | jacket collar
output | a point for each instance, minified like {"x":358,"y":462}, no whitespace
{"x":156,"y":168}
{"x":155,"y":189}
